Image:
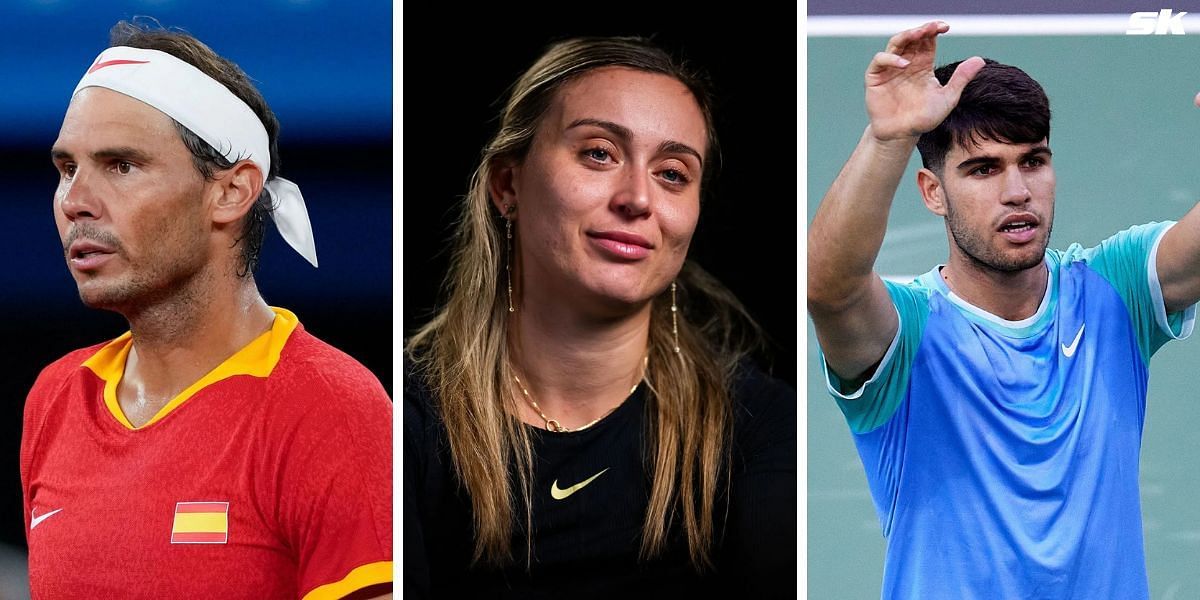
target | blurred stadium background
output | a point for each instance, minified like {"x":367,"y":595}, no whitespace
{"x":325,"y":68}
{"x":1123,"y":134}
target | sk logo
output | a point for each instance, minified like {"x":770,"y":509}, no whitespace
{"x":1156,"y":23}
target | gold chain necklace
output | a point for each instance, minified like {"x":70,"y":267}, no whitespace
{"x":554,"y":425}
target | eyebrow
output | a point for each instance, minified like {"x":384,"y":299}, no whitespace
{"x":673,"y":147}
{"x":988,"y":159}
{"x":623,"y":132}
{"x":118,"y":152}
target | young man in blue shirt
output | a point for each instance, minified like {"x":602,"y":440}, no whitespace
{"x":997,"y":401}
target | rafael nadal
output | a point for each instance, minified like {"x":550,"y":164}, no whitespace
{"x":217,"y":450}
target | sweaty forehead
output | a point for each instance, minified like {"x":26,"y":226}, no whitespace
{"x":100,"y":117}
{"x":651,"y":105}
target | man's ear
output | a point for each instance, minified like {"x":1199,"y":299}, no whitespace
{"x":502,"y":187}
{"x":236,"y":191}
{"x":932,"y":192}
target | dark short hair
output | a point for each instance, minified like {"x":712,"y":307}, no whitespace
{"x":185,"y":47}
{"x":1002,"y":103}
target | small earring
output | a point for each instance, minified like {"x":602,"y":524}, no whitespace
{"x":674,"y":318}
{"x":508,"y":253}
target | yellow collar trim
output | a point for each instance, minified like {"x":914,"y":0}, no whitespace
{"x":257,"y":359}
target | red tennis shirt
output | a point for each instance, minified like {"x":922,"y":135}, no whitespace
{"x":268,"y":478}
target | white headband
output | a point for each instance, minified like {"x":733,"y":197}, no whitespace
{"x":211,"y":111}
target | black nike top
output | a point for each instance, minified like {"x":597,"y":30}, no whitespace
{"x":586,"y":545}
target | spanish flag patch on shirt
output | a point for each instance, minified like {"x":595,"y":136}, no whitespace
{"x":179,"y":496}
{"x":200,"y":523}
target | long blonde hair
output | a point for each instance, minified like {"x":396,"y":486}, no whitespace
{"x":462,"y":353}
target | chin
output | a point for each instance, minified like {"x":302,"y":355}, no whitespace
{"x":98,"y":298}
{"x":1014,"y":262}
{"x":1036,"y":256}
{"x":107,"y":295}
{"x":618,"y":299}
{"x":621,"y":285}
{"x":622,"y":302}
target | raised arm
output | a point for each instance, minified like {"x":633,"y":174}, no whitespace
{"x":850,"y":307}
{"x":1179,"y":260}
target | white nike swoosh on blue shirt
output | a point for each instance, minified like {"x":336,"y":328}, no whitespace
{"x":1069,"y":351}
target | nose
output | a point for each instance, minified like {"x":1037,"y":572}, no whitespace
{"x":77,"y":198}
{"x":632,"y":197}
{"x":1015,"y":190}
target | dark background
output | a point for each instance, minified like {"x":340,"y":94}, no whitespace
{"x":454,"y":86}
{"x":326,"y":70}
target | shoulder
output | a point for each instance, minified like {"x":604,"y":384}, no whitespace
{"x":753,"y":388}
{"x":765,"y":408}
{"x":312,"y":368}
{"x":47,"y":392}
{"x":1136,"y":242}
{"x":913,"y":293}
{"x":69,"y":362}
{"x":56,"y":373}
{"x":420,"y":403}
{"x":315,"y":386}
{"x":417,"y":389}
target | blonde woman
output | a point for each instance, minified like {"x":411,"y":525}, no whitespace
{"x":581,"y":415}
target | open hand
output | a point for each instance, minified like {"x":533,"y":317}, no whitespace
{"x":904,"y":98}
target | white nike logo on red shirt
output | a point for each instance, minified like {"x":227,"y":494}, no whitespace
{"x":36,"y":520}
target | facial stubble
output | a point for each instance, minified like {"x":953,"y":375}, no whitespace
{"x":166,"y":274}
{"x":982,"y":253}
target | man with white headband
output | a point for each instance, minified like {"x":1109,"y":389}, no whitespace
{"x":217,"y":450}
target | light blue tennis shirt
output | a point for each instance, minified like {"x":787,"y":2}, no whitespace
{"x":1002,"y":455}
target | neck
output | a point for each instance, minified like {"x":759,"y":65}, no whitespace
{"x":1010,"y":295}
{"x":576,"y":368}
{"x":178,"y":339}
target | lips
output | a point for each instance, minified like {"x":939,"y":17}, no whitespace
{"x":622,"y":245}
{"x":86,"y":255}
{"x":1019,"y":228}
